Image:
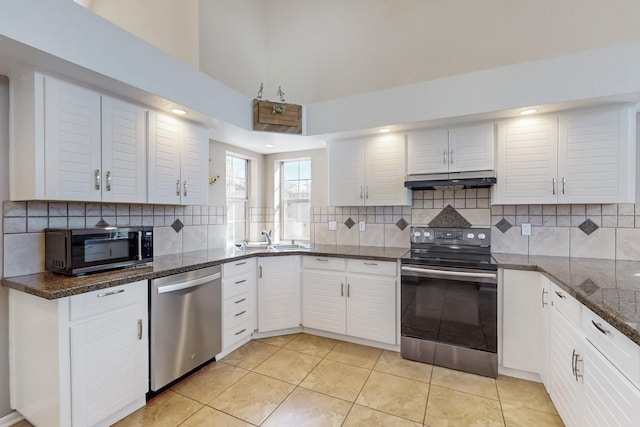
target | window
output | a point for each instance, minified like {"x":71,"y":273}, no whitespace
{"x":296,"y":199}
{"x":237,"y":198}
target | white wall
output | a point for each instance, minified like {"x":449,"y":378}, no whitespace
{"x":233,"y":46}
{"x":335,"y":48}
{"x":167,"y":24}
{"x":4,"y":293}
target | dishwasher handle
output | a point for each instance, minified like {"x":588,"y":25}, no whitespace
{"x":188,"y":284}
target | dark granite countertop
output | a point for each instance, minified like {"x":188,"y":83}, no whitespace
{"x":53,"y":286}
{"x":609,"y":288}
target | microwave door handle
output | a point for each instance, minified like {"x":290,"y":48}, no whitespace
{"x":139,"y":245}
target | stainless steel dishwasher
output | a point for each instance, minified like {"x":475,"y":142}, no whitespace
{"x":185,"y":323}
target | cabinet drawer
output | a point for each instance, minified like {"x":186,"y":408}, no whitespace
{"x":236,"y":302}
{"x":323,"y":263}
{"x":567,"y":305}
{"x":623,"y":353}
{"x":386,"y":268}
{"x":235,"y":268}
{"x":237,"y":285}
{"x":236,"y":333}
{"x":104,"y":300}
{"x":240,"y":314}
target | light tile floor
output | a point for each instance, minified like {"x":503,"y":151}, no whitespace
{"x":304,"y":380}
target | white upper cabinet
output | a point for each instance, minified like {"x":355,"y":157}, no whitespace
{"x":178,"y":161}
{"x":368,"y":171}
{"x":577,"y":157}
{"x":70,"y":143}
{"x":460,"y":149}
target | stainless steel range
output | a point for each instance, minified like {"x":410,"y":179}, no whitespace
{"x":450,"y":299}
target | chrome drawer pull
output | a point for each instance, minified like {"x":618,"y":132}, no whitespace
{"x":600,"y":328}
{"x":560,"y":295}
{"x":241,"y":263}
{"x":241,"y":300}
{"x":106,"y":294}
{"x":239,"y":332}
{"x":544,"y":292}
{"x":241,"y":313}
{"x":240,"y":281}
{"x":370,"y":263}
{"x":322,"y":259}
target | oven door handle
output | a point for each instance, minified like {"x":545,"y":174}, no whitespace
{"x":450,"y":273}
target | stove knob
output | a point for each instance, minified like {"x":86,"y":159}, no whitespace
{"x":427,"y":234}
{"x":417,"y":234}
{"x":470,"y":235}
{"x":482,"y":236}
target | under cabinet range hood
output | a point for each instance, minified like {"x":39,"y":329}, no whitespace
{"x":451,"y":181}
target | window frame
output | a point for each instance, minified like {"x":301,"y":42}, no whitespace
{"x":237,"y":199}
{"x":283,"y":201}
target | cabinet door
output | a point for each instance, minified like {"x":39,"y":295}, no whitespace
{"x":346,"y":172}
{"x":124,"y":165}
{"x":428,"y":151}
{"x":527,"y":161}
{"x":72,"y":142}
{"x":109,"y":364}
{"x":522,"y":330}
{"x":278,"y":293}
{"x":195,"y":165}
{"x":545,"y":301}
{"x":323,"y":300}
{"x":371,"y":307}
{"x":471,"y":148}
{"x":595,"y":157}
{"x":164,"y":159}
{"x":609,"y":398}
{"x":564,"y":387}
{"x":385,"y":171}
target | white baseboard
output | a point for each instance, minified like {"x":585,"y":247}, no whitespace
{"x":10,"y":419}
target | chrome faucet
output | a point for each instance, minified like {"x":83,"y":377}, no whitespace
{"x":268,"y":236}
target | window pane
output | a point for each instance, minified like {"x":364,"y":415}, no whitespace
{"x":237,"y":198}
{"x":305,"y":169}
{"x":290,"y":171}
{"x":296,"y":220}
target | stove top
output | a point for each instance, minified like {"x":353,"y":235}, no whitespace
{"x":451,"y":247}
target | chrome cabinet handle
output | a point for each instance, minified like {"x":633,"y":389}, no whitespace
{"x":341,"y":289}
{"x":240,"y":281}
{"x":366,"y":195}
{"x":578,"y":373}
{"x":600,"y":328}
{"x":451,"y":159}
{"x":560,"y":295}
{"x":370,"y":263}
{"x":444,"y":157}
{"x":241,"y":263}
{"x":177,"y":187}
{"x":106,"y":294}
{"x":544,"y":292}
{"x":97,"y":175}
{"x":139,"y":245}
{"x":108,"y":180}
{"x":348,"y":290}
{"x":553,"y":186}
{"x":241,"y":313}
{"x":139,"y":329}
{"x":573,"y":363}
{"x":322,"y":259}
{"x":241,"y":300}
{"x":361,"y":191}
{"x":564,"y":185}
{"x":260,"y":272}
{"x":239,"y":332}
{"x":185,"y":187}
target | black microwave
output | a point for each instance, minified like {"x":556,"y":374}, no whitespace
{"x":89,"y":250}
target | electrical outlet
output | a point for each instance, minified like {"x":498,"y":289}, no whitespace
{"x":333,"y":225}
{"x":362,"y":226}
{"x":526,"y":229}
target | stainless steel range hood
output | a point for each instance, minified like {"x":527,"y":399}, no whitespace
{"x":451,"y":181}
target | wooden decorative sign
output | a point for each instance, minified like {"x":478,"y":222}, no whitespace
{"x":277,"y":117}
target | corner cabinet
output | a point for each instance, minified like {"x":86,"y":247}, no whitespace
{"x":278,"y":293}
{"x":368,"y":171}
{"x":459,"y":149}
{"x":70,"y":143}
{"x":178,"y":161}
{"x":80,"y":360}
{"x":575,"y":157}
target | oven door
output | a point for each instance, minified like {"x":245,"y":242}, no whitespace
{"x":457,"y":307}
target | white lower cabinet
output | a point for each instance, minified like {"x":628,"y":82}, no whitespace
{"x":356,"y":298}
{"x":81,"y":360}
{"x":238,"y":301}
{"x":278,"y":293}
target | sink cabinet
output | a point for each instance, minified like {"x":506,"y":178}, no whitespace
{"x":81,"y":360}
{"x":278,"y":293}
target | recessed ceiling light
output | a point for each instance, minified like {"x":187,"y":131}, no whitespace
{"x":269,"y":145}
{"x":529,"y":111}
{"x":179,"y":111}
{"x":384,"y":130}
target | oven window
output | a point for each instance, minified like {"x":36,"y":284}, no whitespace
{"x":449,"y":311}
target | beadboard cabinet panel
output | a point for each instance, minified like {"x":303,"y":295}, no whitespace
{"x":323,"y":300}
{"x":346,"y":173}
{"x":278,"y":293}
